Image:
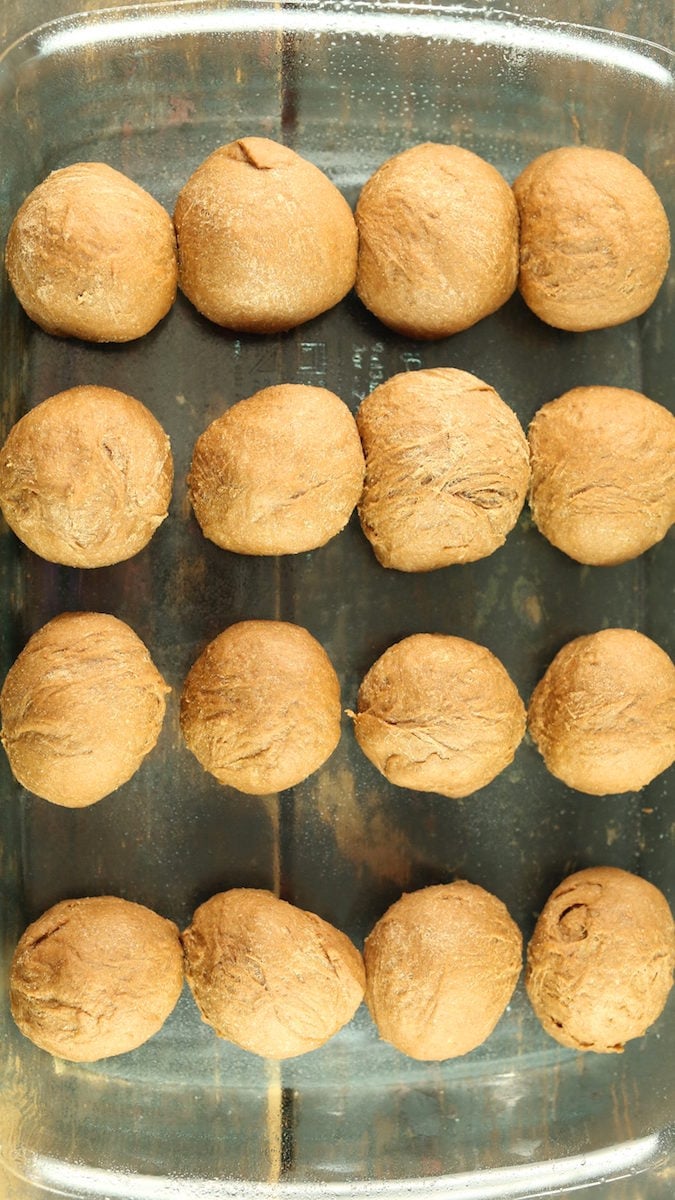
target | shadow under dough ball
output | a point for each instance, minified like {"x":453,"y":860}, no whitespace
{"x":278,"y":473}
{"x":265,"y":240}
{"x":447,"y":469}
{"x":600,"y":962}
{"x":441,"y":967}
{"x":81,"y":707}
{"x":91,"y":255}
{"x":270,"y":977}
{"x":603,"y":473}
{"x":86,"y":477}
{"x":438,"y":241}
{"x":95,"y":977}
{"x":603,"y":715}
{"x":261,"y":707}
{"x":594,"y":238}
{"x":439,"y":714}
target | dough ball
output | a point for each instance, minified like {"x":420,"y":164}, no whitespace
{"x":603,"y":473}
{"x":265,"y":240}
{"x":600,"y":963}
{"x":594,"y":238}
{"x":438,"y":241}
{"x":603,"y":716}
{"x":441,"y":967}
{"x":81,"y":707}
{"x":91,"y":255}
{"x":96,"y":977}
{"x":261,"y":707}
{"x":439,"y":714}
{"x":447,"y":469}
{"x":86,"y":477}
{"x":271,"y":978}
{"x":278,"y":473}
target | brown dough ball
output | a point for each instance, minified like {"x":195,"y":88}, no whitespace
{"x":96,"y":977}
{"x":261,"y":707}
{"x":441,"y":967}
{"x":278,"y":473}
{"x":447,"y":469}
{"x":603,"y":473}
{"x":600,"y":963}
{"x":438,"y":241}
{"x":271,"y":978}
{"x":594,"y":238}
{"x":85,"y":477}
{"x":265,"y":240}
{"x":603,"y":716}
{"x":91,"y":255}
{"x":81,"y":707}
{"x":439,"y":714}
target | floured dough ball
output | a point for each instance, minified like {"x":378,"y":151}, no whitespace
{"x":85,"y":478}
{"x":271,"y":978}
{"x":278,"y":473}
{"x":603,"y":716}
{"x":441,"y":967}
{"x":447,"y":469}
{"x":265,"y":240}
{"x":603,"y":473}
{"x":91,"y":255}
{"x":438,"y":241}
{"x":81,"y":707}
{"x":261,"y":707}
{"x":96,"y":977}
{"x":594,"y":238}
{"x":439,"y":714}
{"x":600,"y":963}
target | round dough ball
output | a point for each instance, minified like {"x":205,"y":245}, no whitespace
{"x":600,"y":963}
{"x":96,"y":977}
{"x":86,"y":477}
{"x":594,"y":238}
{"x":438,"y":241}
{"x":447,"y":469}
{"x":439,"y":714}
{"x":603,"y":473}
{"x":278,"y":473}
{"x":441,"y":967}
{"x":603,"y":716}
{"x":265,"y":240}
{"x":261,"y":707}
{"x":81,"y":707}
{"x":91,"y":255}
{"x":271,"y":978}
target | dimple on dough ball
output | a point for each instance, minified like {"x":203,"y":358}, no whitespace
{"x":96,"y":977}
{"x":439,"y":714}
{"x":261,"y":706}
{"x":265,"y":240}
{"x":278,"y":473}
{"x":438,"y":241}
{"x":600,"y":962}
{"x":441,"y":967}
{"x":85,"y":477}
{"x":603,"y":715}
{"x":268,"y":976}
{"x":92,"y":255}
{"x":603,"y":473}
{"x":594,"y":238}
{"x":447,"y":469}
{"x":81,"y":707}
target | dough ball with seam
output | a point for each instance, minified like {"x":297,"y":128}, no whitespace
{"x":268,"y":976}
{"x":86,"y":477}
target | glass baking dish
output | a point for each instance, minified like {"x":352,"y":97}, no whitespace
{"x":151,"y":89}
